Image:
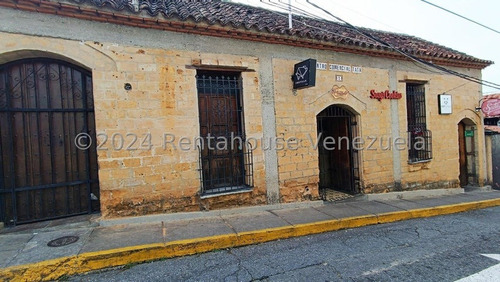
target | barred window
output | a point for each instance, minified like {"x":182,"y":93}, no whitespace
{"x":225,"y":155}
{"x":419,"y":138}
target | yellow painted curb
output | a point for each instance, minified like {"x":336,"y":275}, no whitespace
{"x":56,"y":268}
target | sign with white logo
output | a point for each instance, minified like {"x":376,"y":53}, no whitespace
{"x":445,"y":105}
{"x":304,"y":74}
{"x":491,"y":107}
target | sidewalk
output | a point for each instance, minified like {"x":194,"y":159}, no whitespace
{"x":24,"y":254}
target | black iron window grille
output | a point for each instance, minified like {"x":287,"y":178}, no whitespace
{"x":226,"y":159}
{"x":419,"y":138}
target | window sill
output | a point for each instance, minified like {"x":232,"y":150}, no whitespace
{"x":237,"y":190}
{"x":419,"y":162}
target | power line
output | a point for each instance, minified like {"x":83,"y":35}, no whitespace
{"x":463,"y":17}
{"x":414,"y":58}
{"x":295,"y":20}
{"x":368,"y":17}
{"x":269,"y":2}
{"x":380,"y":41}
{"x":294,"y":9}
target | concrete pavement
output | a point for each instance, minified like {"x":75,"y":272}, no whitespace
{"x":24,"y":254}
{"x":436,"y":249}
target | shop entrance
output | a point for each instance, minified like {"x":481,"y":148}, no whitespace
{"x":467,"y":153}
{"x":338,"y":160}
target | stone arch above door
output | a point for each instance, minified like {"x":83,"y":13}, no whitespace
{"x":79,"y":53}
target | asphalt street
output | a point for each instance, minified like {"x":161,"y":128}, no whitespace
{"x":444,"y":248}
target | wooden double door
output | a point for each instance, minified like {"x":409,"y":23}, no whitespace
{"x":48,"y":158}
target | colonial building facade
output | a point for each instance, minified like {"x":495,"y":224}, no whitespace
{"x":141,"y":107}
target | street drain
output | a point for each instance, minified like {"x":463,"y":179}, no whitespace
{"x":63,"y":241}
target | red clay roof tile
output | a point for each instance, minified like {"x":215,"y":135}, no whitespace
{"x":240,"y":16}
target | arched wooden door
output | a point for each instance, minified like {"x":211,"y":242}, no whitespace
{"x":44,"y":105}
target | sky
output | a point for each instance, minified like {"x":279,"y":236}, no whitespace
{"x":417,"y":18}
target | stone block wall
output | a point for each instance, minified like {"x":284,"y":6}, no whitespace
{"x":163,"y":100}
{"x":141,"y":170}
{"x":296,"y":117}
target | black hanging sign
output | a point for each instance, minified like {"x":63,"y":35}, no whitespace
{"x":304,"y":74}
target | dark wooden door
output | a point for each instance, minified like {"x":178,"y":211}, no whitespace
{"x":338,"y":163}
{"x":462,"y":155}
{"x":221,"y":128}
{"x":44,"y":105}
{"x":335,"y":160}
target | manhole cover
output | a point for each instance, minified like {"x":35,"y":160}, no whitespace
{"x":63,"y":241}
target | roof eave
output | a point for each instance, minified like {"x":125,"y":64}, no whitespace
{"x":89,"y":13}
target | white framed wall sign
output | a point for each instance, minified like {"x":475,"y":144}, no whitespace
{"x":445,"y":104}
